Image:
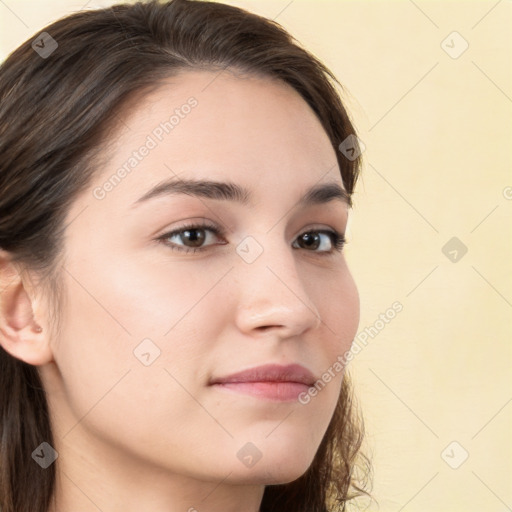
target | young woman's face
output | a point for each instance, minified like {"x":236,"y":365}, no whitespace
{"x":148,"y":324}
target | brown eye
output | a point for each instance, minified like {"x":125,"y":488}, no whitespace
{"x":196,"y":237}
{"x":191,"y":238}
{"x":312,"y":240}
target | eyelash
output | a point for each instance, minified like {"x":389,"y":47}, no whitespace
{"x":337,"y":239}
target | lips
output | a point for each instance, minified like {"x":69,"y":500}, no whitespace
{"x":294,"y":373}
{"x":270,"y":382}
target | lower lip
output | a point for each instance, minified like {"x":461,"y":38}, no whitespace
{"x":278,"y":391}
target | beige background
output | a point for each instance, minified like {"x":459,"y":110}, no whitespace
{"x":437,"y":131}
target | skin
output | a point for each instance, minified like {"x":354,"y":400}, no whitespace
{"x":132,"y":437}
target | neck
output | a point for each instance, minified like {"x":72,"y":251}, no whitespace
{"x":92,"y":477}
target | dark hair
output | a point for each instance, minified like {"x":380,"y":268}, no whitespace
{"x":57,"y":113}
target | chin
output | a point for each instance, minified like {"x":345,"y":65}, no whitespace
{"x":285,"y":475}
{"x":281,"y":467}
{"x":271,"y":475}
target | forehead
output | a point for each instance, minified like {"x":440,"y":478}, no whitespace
{"x":208,"y":125}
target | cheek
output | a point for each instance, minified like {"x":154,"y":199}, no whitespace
{"x":339,"y":308}
{"x":119,"y":316}
{"x":115,"y":322}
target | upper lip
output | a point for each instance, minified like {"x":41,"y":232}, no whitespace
{"x":270,"y":373}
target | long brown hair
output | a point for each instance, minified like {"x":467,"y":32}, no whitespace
{"x":58,"y":107}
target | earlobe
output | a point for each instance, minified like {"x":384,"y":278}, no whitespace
{"x":20,"y":334}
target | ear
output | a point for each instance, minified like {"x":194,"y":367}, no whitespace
{"x":21,"y":333}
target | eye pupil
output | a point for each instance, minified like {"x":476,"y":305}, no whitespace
{"x":196,"y":240}
{"x":311,"y":239}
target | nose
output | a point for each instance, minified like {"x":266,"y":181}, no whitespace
{"x":273,"y":296}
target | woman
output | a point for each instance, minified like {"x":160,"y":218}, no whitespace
{"x":176,"y":306}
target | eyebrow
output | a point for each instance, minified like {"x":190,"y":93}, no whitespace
{"x":228,"y":191}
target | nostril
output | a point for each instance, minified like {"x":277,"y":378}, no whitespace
{"x":265,"y":328}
